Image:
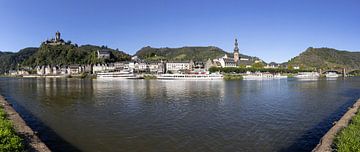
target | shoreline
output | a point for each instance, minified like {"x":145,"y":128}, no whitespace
{"x":31,"y":140}
{"x":327,"y":141}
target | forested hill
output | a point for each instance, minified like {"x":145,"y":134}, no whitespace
{"x":182,"y":54}
{"x":327,"y":58}
{"x":71,"y":54}
{"x":10,"y":60}
{"x":57,"y":55}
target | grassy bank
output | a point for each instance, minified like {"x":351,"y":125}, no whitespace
{"x":348,"y":140}
{"x":149,"y":77}
{"x":232,"y":77}
{"x":9,"y":141}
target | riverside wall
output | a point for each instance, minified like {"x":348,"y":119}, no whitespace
{"x":326,"y":142}
{"x":32,"y":141}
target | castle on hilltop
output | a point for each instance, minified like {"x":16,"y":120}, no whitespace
{"x":55,"y":41}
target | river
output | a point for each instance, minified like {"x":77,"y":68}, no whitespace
{"x":151,"y":115}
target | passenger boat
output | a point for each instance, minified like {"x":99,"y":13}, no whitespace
{"x":263,"y":76}
{"x":212,"y":76}
{"x":307,"y":75}
{"x":116,"y":75}
{"x":332,"y":75}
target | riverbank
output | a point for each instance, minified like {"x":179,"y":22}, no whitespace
{"x":31,"y":141}
{"x":348,"y":140}
{"x":327,"y":142}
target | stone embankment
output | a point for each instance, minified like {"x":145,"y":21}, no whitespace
{"x":327,"y":140}
{"x":32,"y":141}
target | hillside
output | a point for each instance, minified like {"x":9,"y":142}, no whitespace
{"x":57,"y":55}
{"x":71,"y":54}
{"x":10,"y":60}
{"x":327,"y":58}
{"x":182,"y":54}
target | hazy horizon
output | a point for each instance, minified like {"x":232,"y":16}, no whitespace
{"x":271,"y":30}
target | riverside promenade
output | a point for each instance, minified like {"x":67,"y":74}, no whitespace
{"x":326,"y":142}
{"x":32,"y":141}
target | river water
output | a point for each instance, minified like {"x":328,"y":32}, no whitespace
{"x":151,"y":115}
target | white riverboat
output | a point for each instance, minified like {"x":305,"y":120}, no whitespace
{"x":116,"y":75}
{"x":332,"y":75}
{"x":263,"y":76}
{"x":191,"y":77}
{"x":307,"y":75}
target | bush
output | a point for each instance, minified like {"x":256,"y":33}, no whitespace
{"x":9,"y":141}
{"x":232,"y":77}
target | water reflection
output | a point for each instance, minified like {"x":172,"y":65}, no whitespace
{"x":141,"y":115}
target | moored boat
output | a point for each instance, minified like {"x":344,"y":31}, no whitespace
{"x":116,"y":75}
{"x":263,"y":76}
{"x":190,"y":77}
{"x":332,"y":75}
{"x":307,"y":75}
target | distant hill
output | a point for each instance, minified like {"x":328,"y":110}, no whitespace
{"x":10,"y":60}
{"x":182,"y":54}
{"x":71,"y":54}
{"x":57,"y":55}
{"x":326,"y":58}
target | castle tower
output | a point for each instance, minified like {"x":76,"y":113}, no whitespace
{"x":57,"y":36}
{"x":236,"y":51}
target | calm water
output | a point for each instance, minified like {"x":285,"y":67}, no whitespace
{"x":139,"y":115}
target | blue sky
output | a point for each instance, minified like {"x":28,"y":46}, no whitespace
{"x":274,"y":30}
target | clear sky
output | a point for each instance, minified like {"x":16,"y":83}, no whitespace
{"x":274,"y":30}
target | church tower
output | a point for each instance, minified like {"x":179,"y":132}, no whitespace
{"x":236,"y":51}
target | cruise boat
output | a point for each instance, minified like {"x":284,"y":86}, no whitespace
{"x":308,"y":75}
{"x":263,"y":76}
{"x":332,"y":75}
{"x":212,"y":76}
{"x":116,"y":75}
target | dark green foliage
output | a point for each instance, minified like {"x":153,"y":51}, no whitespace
{"x":9,"y":60}
{"x":9,"y":141}
{"x":354,"y":73}
{"x":57,"y":55}
{"x":71,"y":54}
{"x":232,"y":77}
{"x":327,"y":58}
{"x":182,"y":54}
{"x":244,"y":70}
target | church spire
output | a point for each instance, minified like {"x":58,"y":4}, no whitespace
{"x":236,"y":49}
{"x":236,"y":52}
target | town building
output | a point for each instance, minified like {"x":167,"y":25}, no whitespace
{"x":156,"y":67}
{"x":103,"y":54}
{"x":225,"y":61}
{"x":103,"y":68}
{"x":40,"y":70}
{"x":48,"y":70}
{"x":179,"y":67}
{"x":74,"y":69}
{"x":272,"y":65}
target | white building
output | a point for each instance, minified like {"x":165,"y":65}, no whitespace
{"x":272,"y":65}
{"x":40,"y":70}
{"x":179,"y":66}
{"x":48,"y":70}
{"x":103,"y":54}
{"x":156,"y":67}
{"x":225,"y":61}
{"x":103,"y":68}
{"x":55,"y":70}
